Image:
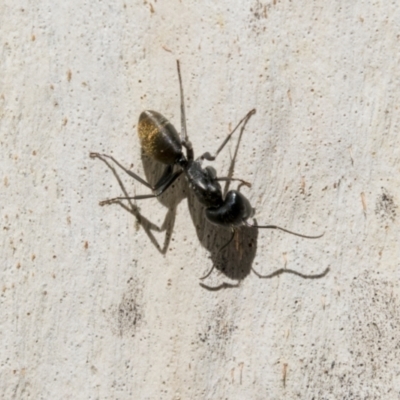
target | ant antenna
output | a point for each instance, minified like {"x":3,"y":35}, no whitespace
{"x":282,"y":229}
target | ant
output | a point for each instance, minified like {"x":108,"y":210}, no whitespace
{"x":160,"y":141}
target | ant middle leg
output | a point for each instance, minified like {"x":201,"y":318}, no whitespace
{"x":242,"y":182}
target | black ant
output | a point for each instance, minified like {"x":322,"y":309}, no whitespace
{"x":160,"y":141}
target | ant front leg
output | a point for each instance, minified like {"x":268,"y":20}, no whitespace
{"x":166,"y":180}
{"x":244,"y":120}
{"x":209,"y":157}
{"x":213,"y":174}
{"x":242,"y":182}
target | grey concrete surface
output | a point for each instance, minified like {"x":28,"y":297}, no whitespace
{"x":98,"y":303}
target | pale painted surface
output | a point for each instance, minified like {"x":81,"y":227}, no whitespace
{"x":90,"y":309}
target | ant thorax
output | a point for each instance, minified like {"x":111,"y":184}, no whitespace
{"x":204,"y":184}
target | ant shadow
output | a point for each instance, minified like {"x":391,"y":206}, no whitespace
{"x":236,"y":259}
{"x":233,"y":260}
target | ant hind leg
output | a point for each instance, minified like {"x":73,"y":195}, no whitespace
{"x":167,"y":179}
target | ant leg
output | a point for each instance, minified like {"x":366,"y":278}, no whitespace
{"x":159,"y":191}
{"x":145,"y":196}
{"x":130,"y":173}
{"x":208,"y":156}
{"x":166,"y":176}
{"x":166,"y":180}
{"x":184,"y":137}
{"x":242,"y":182}
{"x":223,"y":247}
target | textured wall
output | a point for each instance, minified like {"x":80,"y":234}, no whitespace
{"x":96,"y":305}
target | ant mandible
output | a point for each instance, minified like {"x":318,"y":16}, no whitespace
{"x":160,"y":141}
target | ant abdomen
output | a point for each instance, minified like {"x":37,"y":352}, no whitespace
{"x":159,"y":138}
